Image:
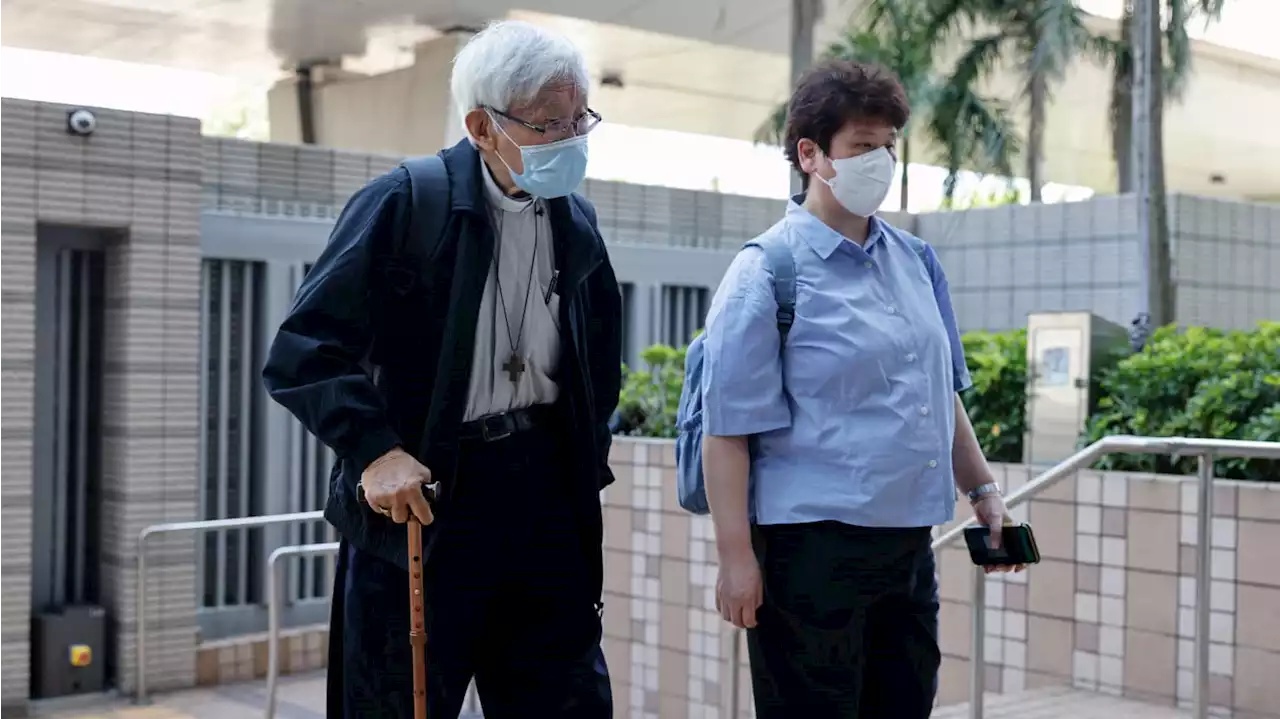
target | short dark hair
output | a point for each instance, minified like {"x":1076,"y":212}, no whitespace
{"x":832,"y":93}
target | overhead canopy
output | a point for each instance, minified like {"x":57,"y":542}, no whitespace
{"x":259,"y":36}
{"x":703,"y":66}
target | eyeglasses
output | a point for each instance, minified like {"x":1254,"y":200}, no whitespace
{"x":584,"y":123}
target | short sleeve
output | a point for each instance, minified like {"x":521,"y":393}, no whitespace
{"x":742,"y":386}
{"x":942,"y":295}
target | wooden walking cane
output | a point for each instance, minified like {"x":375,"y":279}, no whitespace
{"x":417,"y":619}
{"x":417,"y":602}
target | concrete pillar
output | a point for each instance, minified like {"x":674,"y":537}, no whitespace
{"x":804,"y":16}
{"x":409,"y":111}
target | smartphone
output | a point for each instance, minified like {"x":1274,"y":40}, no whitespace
{"x":1017,"y":546}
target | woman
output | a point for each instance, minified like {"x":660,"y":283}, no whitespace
{"x":858,"y":438}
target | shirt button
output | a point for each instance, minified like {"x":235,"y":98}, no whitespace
{"x":867,"y":264}
{"x":933,"y":464}
{"x":911,"y":357}
{"x":890,"y":309}
{"x":924,"y":411}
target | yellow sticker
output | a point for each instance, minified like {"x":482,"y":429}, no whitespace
{"x":81,"y":655}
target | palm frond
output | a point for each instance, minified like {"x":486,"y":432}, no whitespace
{"x":971,"y":129}
{"x":1057,"y":35}
{"x":771,"y":130}
{"x":978,"y":60}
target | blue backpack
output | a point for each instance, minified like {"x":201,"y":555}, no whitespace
{"x":690,"y":484}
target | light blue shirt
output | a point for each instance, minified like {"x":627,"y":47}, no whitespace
{"x":854,"y":421}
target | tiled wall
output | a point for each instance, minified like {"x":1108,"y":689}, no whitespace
{"x":1226,"y":260}
{"x":137,"y":175}
{"x":1109,"y":608}
{"x":286,"y":180}
{"x":245,"y":658}
{"x":17,"y":369}
{"x":1005,"y":262}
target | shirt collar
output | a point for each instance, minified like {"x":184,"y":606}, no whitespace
{"x":498,"y":199}
{"x":820,"y":237}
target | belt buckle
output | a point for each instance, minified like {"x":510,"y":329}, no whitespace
{"x":495,"y":435}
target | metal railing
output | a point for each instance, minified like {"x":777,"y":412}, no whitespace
{"x":198,"y":528}
{"x":273,"y":611}
{"x":1206,"y":450}
{"x":471,"y":703}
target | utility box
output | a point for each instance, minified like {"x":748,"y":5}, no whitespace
{"x":1064,"y":351}
{"x":68,"y":651}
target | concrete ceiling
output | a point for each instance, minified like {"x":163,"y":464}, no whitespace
{"x":259,"y":36}
{"x":704,"y":66}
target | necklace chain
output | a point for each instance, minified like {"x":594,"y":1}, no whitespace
{"x":516,"y":364}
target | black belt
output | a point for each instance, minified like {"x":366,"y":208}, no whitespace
{"x":494,"y":427}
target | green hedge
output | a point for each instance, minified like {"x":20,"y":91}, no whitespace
{"x":997,"y":401}
{"x":650,"y":397}
{"x":1196,"y":382}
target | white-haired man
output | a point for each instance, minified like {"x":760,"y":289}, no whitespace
{"x":462,"y":327}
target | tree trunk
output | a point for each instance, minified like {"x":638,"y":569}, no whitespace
{"x":1122,"y":104}
{"x":906,"y":162}
{"x":1038,"y":92}
{"x":1148,"y":166}
{"x":1168,"y":303}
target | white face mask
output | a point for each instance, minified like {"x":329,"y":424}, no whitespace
{"x":861,"y":183}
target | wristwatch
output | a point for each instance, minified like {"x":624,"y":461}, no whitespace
{"x":982,"y":490}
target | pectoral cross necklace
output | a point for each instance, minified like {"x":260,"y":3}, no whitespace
{"x":515,"y":365}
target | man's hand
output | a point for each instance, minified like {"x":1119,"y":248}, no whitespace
{"x":992,"y":514}
{"x":393,"y":487}
{"x":739,"y":589}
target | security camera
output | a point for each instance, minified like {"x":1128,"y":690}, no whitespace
{"x":81,"y":122}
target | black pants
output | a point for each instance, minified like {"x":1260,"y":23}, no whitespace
{"x":508,"y":602}
{"x":849,"y":626}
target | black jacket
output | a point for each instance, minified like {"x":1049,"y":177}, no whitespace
{"x":375,"y":333}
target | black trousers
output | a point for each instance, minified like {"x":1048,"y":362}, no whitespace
{"x":849,"y":625}
{"x":508,"y":602}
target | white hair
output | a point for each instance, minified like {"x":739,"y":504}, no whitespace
{"x":508,"y":63}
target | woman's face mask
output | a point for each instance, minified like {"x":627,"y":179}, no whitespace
{"x":551,"y":170}
{"x":861,"y":183}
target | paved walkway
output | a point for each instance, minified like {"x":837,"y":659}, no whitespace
{"x":1061,"y":703}
{"x":299,"y":697}
{"x":302,"y":697}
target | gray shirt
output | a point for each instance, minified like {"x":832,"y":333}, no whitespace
{"x":518,"y":225}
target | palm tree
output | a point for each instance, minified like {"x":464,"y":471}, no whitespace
{"x":971,"y":130}
{"x":1040,"y":36}
{"x":1118,"y":53}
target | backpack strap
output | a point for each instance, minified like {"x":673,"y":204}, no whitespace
{"x":429,"y":185}
{"x":783,"y":266}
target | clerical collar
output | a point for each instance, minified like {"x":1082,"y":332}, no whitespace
{"x":500,"y":200}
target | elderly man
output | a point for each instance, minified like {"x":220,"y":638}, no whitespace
{"x":485,"y":359}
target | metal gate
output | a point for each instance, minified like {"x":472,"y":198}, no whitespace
{"x":69,"y":318}
{"x":230,"y":483}
{"x":684,"y":313}
{"x":255,"y":459}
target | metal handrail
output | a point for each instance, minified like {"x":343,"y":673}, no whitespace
{"x":1206,"y":450}
{"x":273,"y":622}
{"x":199,"y":528}
{"x":273,"y":611}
